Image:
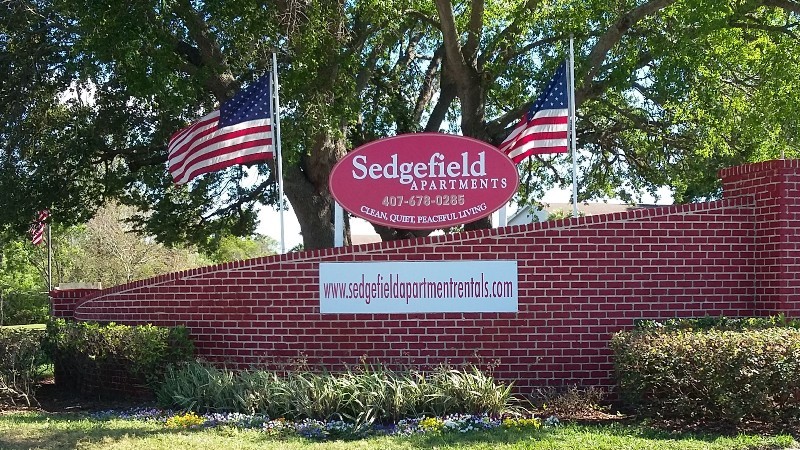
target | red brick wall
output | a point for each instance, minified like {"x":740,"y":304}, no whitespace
{"x":64,"y":302}
{"x":773,"y":190}
{"x":580,"y":280}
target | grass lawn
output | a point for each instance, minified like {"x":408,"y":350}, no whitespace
{"x":34,"y":430}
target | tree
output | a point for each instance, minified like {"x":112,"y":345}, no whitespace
{"x":105,"y":250}
{"x":233,"y":248}
{"x":668,"y":92}
{"x":112,"y":253}
{"x":22,"y":297}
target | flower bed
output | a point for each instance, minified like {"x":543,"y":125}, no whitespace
{"x":327,"y":430}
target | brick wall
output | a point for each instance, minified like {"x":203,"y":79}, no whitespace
{"x":64,"y":301}
{"x":580,"y":280}
{"x":773,"y":191}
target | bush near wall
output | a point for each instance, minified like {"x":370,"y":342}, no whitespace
{"x":726,"y":371}
{"x":22,"y":308}
{"x":99,"y":359}
{"x":720,"y":323}
{"x":362,"y":395}
{"x":22,"y":364}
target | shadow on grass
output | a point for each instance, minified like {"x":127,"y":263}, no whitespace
{"x":591,"y":436}
{"x":30,"y":430}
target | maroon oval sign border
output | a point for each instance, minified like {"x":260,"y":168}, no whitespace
{"x":424,"y":180}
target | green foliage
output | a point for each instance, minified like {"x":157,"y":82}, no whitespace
{"x":108,"y":250}
{"x":720,"y":323}
{"x":234,"y":248}
{"x":521,"y":423}
{"x":690,"y":88}
{"x":82,"y":350}
{"x":20,"y":308}
{"x":711,"y":375}
{"x":105,"y":250}
{"x":365,"y":396}
{"x":22,"y":364}
{"x":22,"y":297}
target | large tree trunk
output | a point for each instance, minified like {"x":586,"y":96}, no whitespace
{"x":462,"y":69}
{"x":306,"y":188}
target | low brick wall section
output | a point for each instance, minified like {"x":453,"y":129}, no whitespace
{"x":580,"y":280}
{"x":64,"y":301}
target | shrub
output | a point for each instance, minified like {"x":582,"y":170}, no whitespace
{"x":364,"y":396}
{"x":711,"y":375}
{"x":720,"y":323}
{"x":22,"y":364}
{"x":573,"y":401}
{"x":22,"y":308}
{"x":87,"y":354}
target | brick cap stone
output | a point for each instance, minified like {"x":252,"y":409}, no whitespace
{"x":75,"y":286}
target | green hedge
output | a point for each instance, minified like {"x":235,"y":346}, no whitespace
{"x":720,"y":323}
{"x":87,"y":354}
{"x":717,"y":375}
{"x":22,"y":364}
{"x":22,"y":308}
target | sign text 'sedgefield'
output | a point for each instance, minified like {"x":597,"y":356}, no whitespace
{"x":424,"y":180}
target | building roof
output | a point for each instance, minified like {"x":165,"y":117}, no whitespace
{"x":525,"y":214}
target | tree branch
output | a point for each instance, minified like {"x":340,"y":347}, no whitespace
{"x":786,"y":29}
{"x":427,"y":89}
{"x":613,"y":35}
{"x":252,"y":196}
{"x":221,"y":82}
{"x":784,"y":4}
{"x":447,"y":93}
{"x":474,"y":30}
{"x":507,"y":33}
{"x":424,"y":18}
{"x":453,"y":54}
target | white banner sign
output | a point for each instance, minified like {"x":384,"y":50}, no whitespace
{"x":424,"y":286}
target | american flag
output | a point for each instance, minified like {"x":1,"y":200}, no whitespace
{"x":38,"y":227}
{"x":543,"y":129}
{"x":239,"y":132}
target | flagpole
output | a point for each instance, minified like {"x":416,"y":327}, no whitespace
{"x":277,"y":144}
{"x":49,"y":259}
{"x":572,"y":128}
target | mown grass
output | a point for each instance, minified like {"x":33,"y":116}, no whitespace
{"x":34,"y":430}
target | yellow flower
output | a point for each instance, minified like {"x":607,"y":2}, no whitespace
{"x":185,"y":421}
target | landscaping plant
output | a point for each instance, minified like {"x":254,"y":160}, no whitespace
{"x":730,"y":375}
{"x":22,"y":364}
{"x":87,"y":354}
{"x":367,"y":395}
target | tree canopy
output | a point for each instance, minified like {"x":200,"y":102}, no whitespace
{"x":668,"y":92}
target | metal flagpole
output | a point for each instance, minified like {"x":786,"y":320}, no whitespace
{"x":572,"y":128}
{"x":276,"y":113}
{"x":49,"y":259}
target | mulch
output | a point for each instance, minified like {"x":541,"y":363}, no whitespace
{"x":54,"y":400}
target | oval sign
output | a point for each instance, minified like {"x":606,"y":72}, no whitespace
{"x":424,"y":180}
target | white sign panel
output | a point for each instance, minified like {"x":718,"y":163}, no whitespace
{"x":423,"y":286}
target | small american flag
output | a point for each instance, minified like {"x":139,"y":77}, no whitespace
{"x":543,"y":129}
{"x":239,"y":132}
{"x":38,"y":227}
